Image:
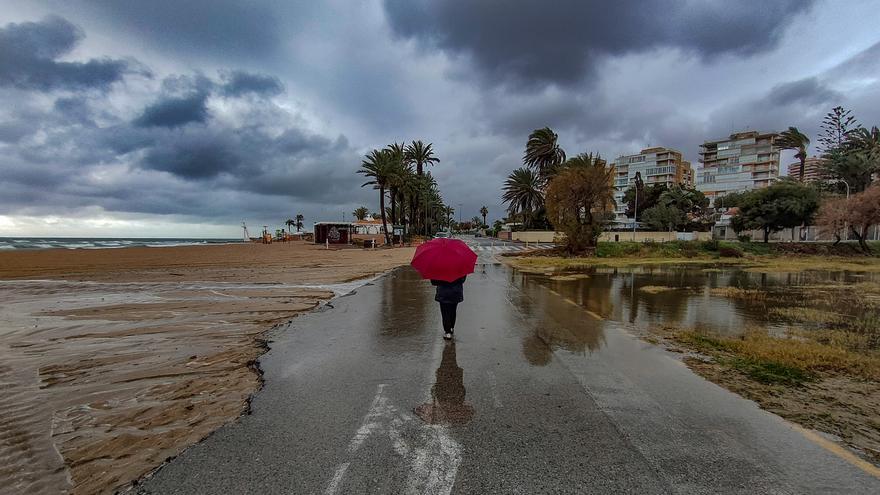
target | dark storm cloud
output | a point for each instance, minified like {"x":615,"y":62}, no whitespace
{"x":175,"y":111}
{"x":28,"y":53}
{"x":228,"y":28}
{"x":195,"y":155}
{"x":532,"y":42}
{"x":808,"y":91}
{"x":238,"y":83}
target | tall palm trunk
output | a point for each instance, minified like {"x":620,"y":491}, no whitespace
{"x":393,"y":191}
{"x":384,"y":217}
{"x":803,"y":159}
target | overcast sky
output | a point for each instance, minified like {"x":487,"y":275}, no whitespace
{"x":181,"y":119}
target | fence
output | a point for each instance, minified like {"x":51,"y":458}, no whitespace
{"x":612,"y":236}
{"x":810,"y":233}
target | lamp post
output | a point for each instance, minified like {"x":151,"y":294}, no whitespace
{"x":636,"y":212}
{"x":459,"y":218}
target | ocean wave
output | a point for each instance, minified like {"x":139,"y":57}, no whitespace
{"x":95,"y":243}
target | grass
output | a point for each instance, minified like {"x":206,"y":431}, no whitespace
{"x":738,"y":293}
{"x":656,"y":289}
{"x":782,"y":360}
{"x":753,"y":256}
{"x":803,"y":314}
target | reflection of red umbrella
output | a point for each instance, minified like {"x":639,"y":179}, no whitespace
{"x":444,"y":259}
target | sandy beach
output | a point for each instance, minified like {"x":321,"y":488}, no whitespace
{"x":113,"y":360}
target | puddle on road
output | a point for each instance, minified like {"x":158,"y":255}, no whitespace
{"x":570,"y":311}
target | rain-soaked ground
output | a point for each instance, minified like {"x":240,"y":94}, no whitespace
{"x":544,"y":390}
{"x":682,"y":296}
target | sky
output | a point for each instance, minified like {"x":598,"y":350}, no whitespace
{"x":183,"y":119}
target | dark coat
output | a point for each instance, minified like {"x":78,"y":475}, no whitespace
{"x":449,"y":292}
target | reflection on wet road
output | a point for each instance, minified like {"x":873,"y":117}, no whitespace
{"x":541,"y":392}
{"x":447,"y":394}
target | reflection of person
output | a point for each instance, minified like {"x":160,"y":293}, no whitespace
{"x":448,"y":393}
{"x":449,"y":294}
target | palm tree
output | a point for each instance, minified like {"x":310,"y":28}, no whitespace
{"x":484,"y":211}
{"x":793,"y":139}
{"x":475,"y":221}
{"x":449,"y":211}
{"x":543,"y":153}
{"x":299,"y":221}
{"x":360,"y":212}
{"x":522,"y":193}
{"x":397,"y":181}
{"x":420,"y":155}
{"x":378,"y":167}
{"x":289,"y":222}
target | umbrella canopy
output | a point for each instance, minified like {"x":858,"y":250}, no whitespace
{"x":444,"y":259}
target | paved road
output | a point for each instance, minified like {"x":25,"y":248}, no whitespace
{"x":365,"y":397}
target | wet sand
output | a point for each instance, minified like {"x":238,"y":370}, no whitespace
{"x":112,"y":361}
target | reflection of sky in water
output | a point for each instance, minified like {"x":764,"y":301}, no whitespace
{"x":619,"y":295}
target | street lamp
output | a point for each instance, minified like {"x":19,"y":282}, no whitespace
{"x":845,"y":223}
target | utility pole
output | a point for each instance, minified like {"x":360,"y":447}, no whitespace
{"x":636,"y":213}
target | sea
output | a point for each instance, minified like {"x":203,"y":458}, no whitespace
{"x":9,"y":243}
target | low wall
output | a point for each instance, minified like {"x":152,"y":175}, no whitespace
{"x":535,"y":236}
{"x":617,"y":236}
{"x":797,"y":234}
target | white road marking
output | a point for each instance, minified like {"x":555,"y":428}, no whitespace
{"x":493,"y":385}
{"x":333,"y":487}
{"x":433,"y":465}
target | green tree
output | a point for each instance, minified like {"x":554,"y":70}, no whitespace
{"x":580,"y":201}
{"x":836,"y":128}
{"x":857,"y":161}
{"x":648,"y":196}
{"x":522,"y":194}
{"x":793,"y":139}
{"x":299,"y":222}
{"x":784,"y":204}
{"x":397,"y":180}
{"x":361,"y":212}
{"x":543,"y":153}
{"x":664,"y":217}
{"x":484,"y":212}
{"x":290,"y":223}
{"x":693,"y":204}
{"x":378,"y":166}
{"x":420,"y":154}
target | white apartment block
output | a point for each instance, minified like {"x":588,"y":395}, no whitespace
{"x":656,"y":165}
{"x":746,"y":160}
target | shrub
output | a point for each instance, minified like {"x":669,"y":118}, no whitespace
{"x":729,"y":252}
{"x":711,"y":245}
{"x":744,"y":238}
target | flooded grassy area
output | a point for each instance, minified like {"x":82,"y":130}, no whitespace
{"x":752,"y":256}
{"x":802,"y":344}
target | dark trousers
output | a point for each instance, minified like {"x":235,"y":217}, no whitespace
{"x":447,"y":311}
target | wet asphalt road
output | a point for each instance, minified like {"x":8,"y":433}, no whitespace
{"x":365,"y":397}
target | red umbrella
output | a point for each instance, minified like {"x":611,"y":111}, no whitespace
{"x":444,"y":259}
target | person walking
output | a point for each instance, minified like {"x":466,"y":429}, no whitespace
{"x":446,"y":263}
{"x":449,"y":294}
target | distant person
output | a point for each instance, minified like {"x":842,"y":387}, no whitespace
{"x":449,"y":294}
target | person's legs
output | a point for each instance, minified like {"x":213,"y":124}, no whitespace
{"x":447,"y":312}
{"x":452,"y":311}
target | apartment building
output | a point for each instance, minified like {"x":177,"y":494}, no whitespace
{"x":656,"y":165}
{"x":813,"y":169}
{"x":745,"y":160}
